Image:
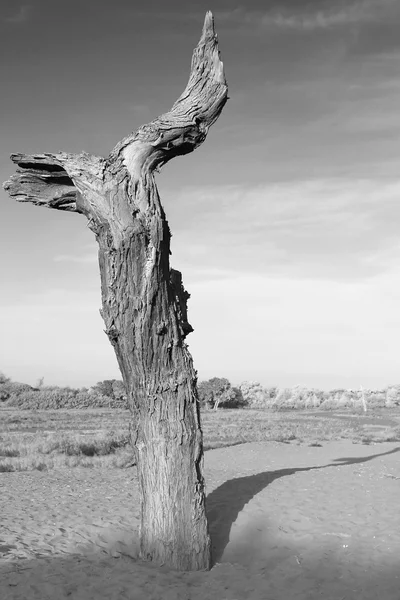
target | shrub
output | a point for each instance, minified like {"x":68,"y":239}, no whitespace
{"x":113,"y":388}
{"x":13,"y":388}
{"x":375,"y":399}
{"x":348,"y":399}
{"x":218,"y":391}
{"x":334,"y":399}
{"x":57,"y":398}
{"x":4,"y":394}
{"x":118,"y":390}
{"x":3,"y":378}
{"x":314,"y":400}
{"x":254,"y":395}
{"x":301,"y":397}
{"x":328,"y":404}
{"x":392,"y":396}
{"x":238,"y":401}
{"x":283,"y":398}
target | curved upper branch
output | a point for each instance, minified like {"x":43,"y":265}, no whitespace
{"x":186,"y":125}
{"x":87,"y":184}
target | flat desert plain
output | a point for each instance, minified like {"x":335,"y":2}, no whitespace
{"x":288,"y":522}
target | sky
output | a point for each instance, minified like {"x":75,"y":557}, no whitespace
{"x":285,"y":221}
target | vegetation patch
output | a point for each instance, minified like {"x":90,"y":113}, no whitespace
{"x":100,"y":438}
{"x":51,"y":428}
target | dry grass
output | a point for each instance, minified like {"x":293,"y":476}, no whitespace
{"x":98,"y":438}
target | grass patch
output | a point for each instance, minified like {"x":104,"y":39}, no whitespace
{"x":99,"y":438}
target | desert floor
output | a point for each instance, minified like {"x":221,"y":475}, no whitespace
{"x":287,"y":522}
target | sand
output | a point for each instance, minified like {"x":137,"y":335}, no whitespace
{"x":288,"y":522}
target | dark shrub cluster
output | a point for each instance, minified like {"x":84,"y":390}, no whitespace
{"x":107,"y":394}
{"x":219,"y":392}
{"x":214,"y":393}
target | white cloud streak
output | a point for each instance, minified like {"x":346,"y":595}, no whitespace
{"x":60,"y":336}
{"x":86,"y":255}
{"x":322,"y":19}
{"x":21,"y":16}
{"x":276,"y":330}
{"x":84,"y":259}
{"x":334,"y":229}
{"x":283,"y":331}
{"x":307,"y":20}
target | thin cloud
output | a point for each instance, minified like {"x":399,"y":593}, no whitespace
{"x":370,"y":106}
{"x":87,"y":256}
{"x":21,"y":16}
{"x":319,"y":20}
{"x":70,"y":258}
{"x":327,"y":19}
{"x":332,"y":229}
{"x":315,"y":328}
{"x":59,"y":314}
{"x":139,"y":109}
{"x":306,"y":20}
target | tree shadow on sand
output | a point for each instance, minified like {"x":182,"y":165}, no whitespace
{"x":229,"y":499}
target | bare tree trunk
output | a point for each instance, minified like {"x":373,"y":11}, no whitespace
{"x":364,"y":403}
{"x":144,"y":302}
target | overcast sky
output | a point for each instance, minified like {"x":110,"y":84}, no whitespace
{"x":285,"y":221}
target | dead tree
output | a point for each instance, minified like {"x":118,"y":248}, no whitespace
{"x":144,"y":304}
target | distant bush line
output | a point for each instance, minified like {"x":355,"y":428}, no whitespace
{"x":213,"y":394}
{"x":105,"y":394}
{"x":218,"y":392}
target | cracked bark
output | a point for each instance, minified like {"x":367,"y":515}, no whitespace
{"x":144,"y":304}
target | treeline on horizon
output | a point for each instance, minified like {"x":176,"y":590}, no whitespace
{"x":213,"y":394}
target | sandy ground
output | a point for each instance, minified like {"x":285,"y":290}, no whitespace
{"x":287,"y":522}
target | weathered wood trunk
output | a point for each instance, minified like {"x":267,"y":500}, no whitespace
{"x":144,"y":302}
{"x":144,"y":309}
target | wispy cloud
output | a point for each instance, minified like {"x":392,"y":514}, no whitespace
{"x":322,"y":19}
{"x":369,"y":106}
{"x":297,"y":331}
{"x":316,"y":332}
{"x":139,"y":109}
{"x":86,"y":256}
{"x":307,"y":19}
{"x":85,"y":259}
{"x":21,"y":16}
{"x":333,"y":229}
{"x":50,"y":319}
